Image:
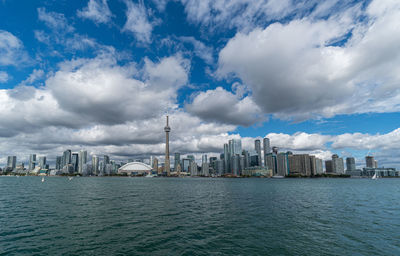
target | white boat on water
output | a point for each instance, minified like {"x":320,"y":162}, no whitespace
{"x":278,"y":177}
{"x":375,"y":177}
{"x":149,"y":175}
{"x":42,"y":179}
{"x":70,"y":178}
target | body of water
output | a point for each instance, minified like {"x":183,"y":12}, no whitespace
{"x":198,"y":216}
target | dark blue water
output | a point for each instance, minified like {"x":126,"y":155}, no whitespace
{"x":194,"y":216}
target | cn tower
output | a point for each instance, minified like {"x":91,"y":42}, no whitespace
{"x":167,"y":129}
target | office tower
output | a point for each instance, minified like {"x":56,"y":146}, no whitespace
{"x":220,"y":167}
{"x":193,"y":168}
{"x":177,"y":160}
{"x":267,"y":148}
{"x":257,"y":148}
{"x":95,"y":164}
{"x":337,"y":164}
{"x":32,"y":161}
{"x":236,"y":147}
{"x":106,"y":159}
{"x":191,"y":157}
{"x":246,"y":156}
{"x":82,"y":160}
{"x":11,"y":162}
{"x":370,"y":161}
{"x":75,"y":161}
{"x":204,"y":159}
{"x":59,"y":161}
{"x":350,"y":164}
{"x":318,"y":166}
{"x":66,"y":157}
{"x":241,"y":164}
{"x":205,"y":169}
{"x":155,"y":165}
{"x":186,"y":164}
{"x":275,"y":150}
{"x":226,"y":158}
{"x":254,"y":160}
{"x":301,"y":164}
{"x":167,"y":167}
{"x":235,"y":163}
{"x":328,"y":166}
{"x":282,"y":162}
{"x":42,"y":162}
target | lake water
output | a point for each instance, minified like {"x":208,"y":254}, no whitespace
{"x":199,"y":216}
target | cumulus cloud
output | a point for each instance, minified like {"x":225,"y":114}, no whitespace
{"x":12,"y":51}
{"x":220,"y":105}
{"x":298,"y":71}
{"x":96,"y":10}
{"x":137,"y":21}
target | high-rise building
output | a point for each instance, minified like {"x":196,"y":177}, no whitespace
{"x":203,"y":159}
{"x":95,"y":165}
{"x":235,"y":163}
{"x":66,"y":157}
{"x":318,"y":166}
{"x":11,"y":162}
{"x":177,"y":160}
{"x":267,"y":148}
{"x":236,"y":147}
{"x":193,"y":168}
{"x":282,"y":162}
{"x":82,"y":160}
{"x":370,"y":161}
{"x":32,"y":161}
{"x":226,"y":158}
{"x":167,"y":166}
{"x":350,"y":164}
{"x":75,"y":161}
{"x":257,"y":148}
{"x":155,"y":165}
{"x":337,"y":164}
{"x":328,"y":166}
{"x":42,"y":162}
{"x":59,"y":162}
{"x":301,"y":164}
{"x":186,"y":164}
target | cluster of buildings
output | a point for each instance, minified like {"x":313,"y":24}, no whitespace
{"x":263,"y":160}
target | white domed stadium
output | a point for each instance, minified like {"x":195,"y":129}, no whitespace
{"x":135,"y":168}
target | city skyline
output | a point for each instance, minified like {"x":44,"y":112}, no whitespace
{"x":101,"y":76}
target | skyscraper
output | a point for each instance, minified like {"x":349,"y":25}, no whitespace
{"x":350,"y":164}
{"x":82,"y":160}
{"x":32,"y":161}
{"x":42,"y":162}
{"x":75,"y":161}
{"x":66,"y":157}
{"x":12,"y":162}
{"x":267,"y":149}
{"x":177,"y":160}
{"x":337,"y":164}
{"x":167,"y":167}
{"x":370,"y":161}
{"x":257,"y":147}
{"x":226,"y":158}
{"x":95,"y":164}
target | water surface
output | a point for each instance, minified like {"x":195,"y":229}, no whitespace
{"x":198,"y":216}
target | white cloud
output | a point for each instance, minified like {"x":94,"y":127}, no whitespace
{"x":294,"y":71}
{"x":219,"y":105}
{"x":4,"y":77}
{"x":200,"y":49}
{"x":11,"y":50}
{"x":97,"y":10}
{"x":55,"y":21}
{"x":137,"y":21}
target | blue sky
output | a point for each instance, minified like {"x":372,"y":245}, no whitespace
{"x":313,"y":76}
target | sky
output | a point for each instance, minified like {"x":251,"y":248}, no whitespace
{"x":318,"y":77}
